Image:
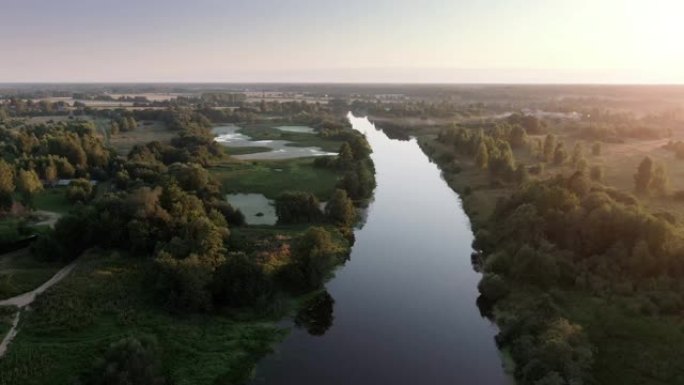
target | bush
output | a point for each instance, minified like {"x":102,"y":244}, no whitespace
{"x":493,"y":287}
{"x":130,"y":361}
{"x":297,"y":207}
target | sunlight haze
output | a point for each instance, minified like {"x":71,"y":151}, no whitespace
{"x":492,"y":41}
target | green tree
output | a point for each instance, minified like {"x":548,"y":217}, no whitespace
{"x":559,"y":155}
{"x":345,"y":157}
{"x":482,"y":156}
{"x":313,"y":256}
{"x":7,"y":184}
{"x":340,"y":209}
{"x":297,"y":207}
{"x":28,"y":185}
{"x":130,"y":361}
{"x":549,"y":147}
{"x":518,"y":137}
{"x":79,"y":190}
{"x":577,"y":154}
{"x":644,"y":176}
{"x":660,"y":184}
{"x":596,"y":173}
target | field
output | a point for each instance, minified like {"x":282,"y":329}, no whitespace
{"x":272,"y":178}
{"x":123,"y":142}
{"x":20,"y":273}
{"x":52,"y":199}
{"x":106,"y":299}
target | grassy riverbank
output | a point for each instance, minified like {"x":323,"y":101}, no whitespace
{"x":632,"y":341}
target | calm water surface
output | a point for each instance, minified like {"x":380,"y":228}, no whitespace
{"x":402,"y":310}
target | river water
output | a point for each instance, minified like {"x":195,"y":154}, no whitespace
{"x":404,"y":306}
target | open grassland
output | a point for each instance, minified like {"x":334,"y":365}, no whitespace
{"x":146,"y":132}
{"x":106,"y":299}
{"x":20,"y":272}
{"x":272,"y":178}
{"x":52,"y":199}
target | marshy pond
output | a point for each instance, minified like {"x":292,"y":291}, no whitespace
{"x":229,"y":136}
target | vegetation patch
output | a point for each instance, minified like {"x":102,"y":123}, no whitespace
{"x":272,"y":178}
{"x":21,"y":272}
{"x":106,"y":299}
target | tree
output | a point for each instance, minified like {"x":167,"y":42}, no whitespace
{"x":79,"y":190}
{"x":130,"y":361}
{"x":521,"y":174}
{"x":240,"y":282}
{"x":313,"y":255}
{"x":577,"y":154}
{"x":340,"y":209}
{"x":482,"y":156}
{"x":7,"y":184}
{"x":518,"y":136}
{"x":297,"y":207}
{"x":28,"y":184}
{"x":559,"y":155}
{"x":549,"y":147}
{"x":660,"y":183}
{"x":644,"y":176}
{"x":345,"y":157}
{"x":596,"y":173}
{"x":114,"y":128}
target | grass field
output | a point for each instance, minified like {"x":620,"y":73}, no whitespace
{"x":6,"y":317}
{"x":106,"y":299}
{"x":52,"y":199}
{"x":272,"y":178}
{"x":20,"y":273}
{"x":123,"y":142}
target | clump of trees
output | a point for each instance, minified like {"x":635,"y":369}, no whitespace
{"x":298,"y":207}
{"x":354,"y":161}
{"x":491,"y":151}
{"x":568,"y":232}
{"x":130,"y":361}
{"x":651,"y":178}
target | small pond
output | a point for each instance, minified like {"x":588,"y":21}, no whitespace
{"x":258,"y":209}
{"x":296,"y":129}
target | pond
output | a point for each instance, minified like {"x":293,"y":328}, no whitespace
{"x":257,"y":209}
{"x":229,"y":135}
{"x":296,"y":129}
{"x":403,"y":309}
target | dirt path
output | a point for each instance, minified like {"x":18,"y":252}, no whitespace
{"x":22,"y":301}
{"x":51,"y":218}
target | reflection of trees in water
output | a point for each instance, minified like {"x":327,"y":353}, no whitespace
{"x":393,"y":130}
{"x":486,"y":307}
{"x":316,"y":316}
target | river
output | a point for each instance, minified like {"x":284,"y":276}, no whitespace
{"x":404,"y":307}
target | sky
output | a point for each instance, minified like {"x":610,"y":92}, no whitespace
{"x":381,"y":41}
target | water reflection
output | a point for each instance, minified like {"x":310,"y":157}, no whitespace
{"x":316,"y":315}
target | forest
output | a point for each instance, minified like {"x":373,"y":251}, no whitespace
{"x":156,"y":218}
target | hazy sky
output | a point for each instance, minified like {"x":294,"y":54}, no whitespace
{"x":523,"y":41}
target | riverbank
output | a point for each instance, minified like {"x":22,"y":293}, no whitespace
{"x":628,"y":342}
